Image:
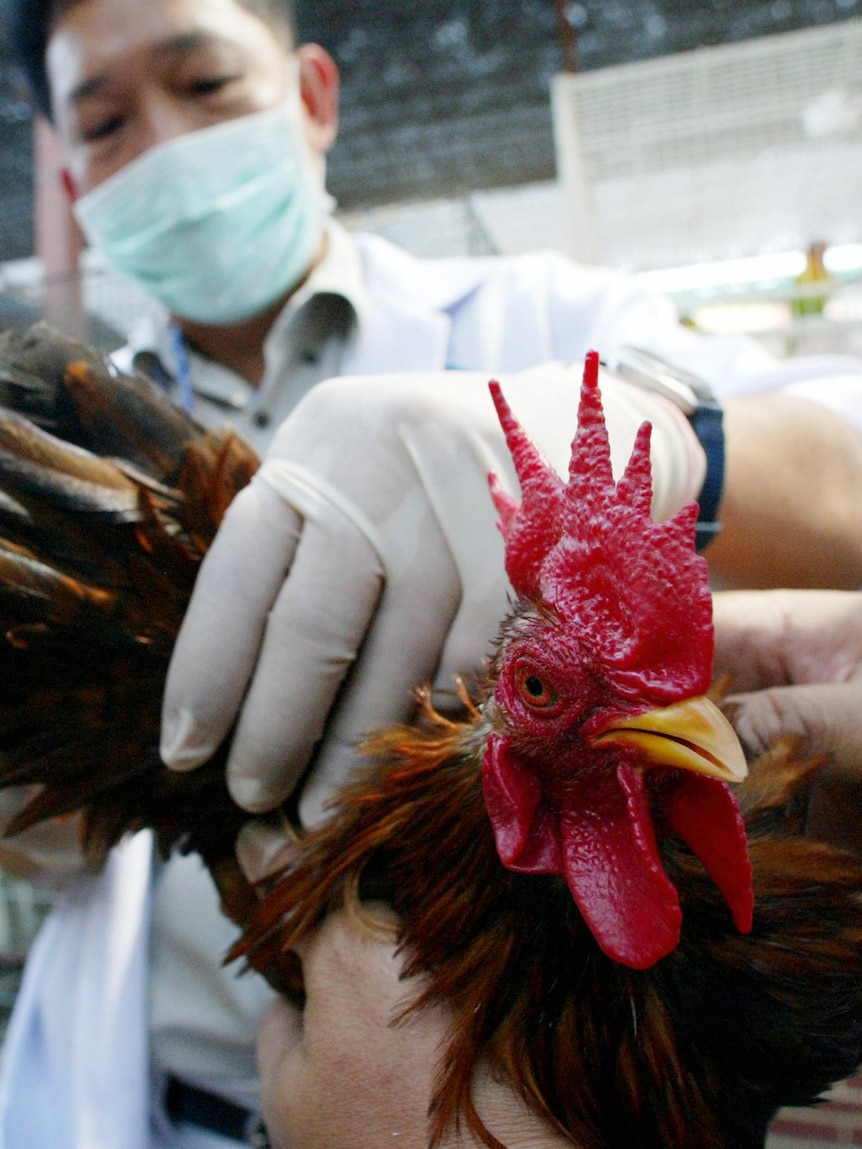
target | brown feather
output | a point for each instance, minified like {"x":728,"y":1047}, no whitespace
{"x":109,"y":504}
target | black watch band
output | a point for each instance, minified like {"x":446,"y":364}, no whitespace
{"x":695,"y":399}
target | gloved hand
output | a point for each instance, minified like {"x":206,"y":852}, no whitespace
{"x":364,"y":560}
{"x":795,"y":661}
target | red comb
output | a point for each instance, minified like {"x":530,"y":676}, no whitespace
{"x":617,"y":628}
{"x":589,"y":548}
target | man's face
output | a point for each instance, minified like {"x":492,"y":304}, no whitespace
{"x":126,"y":75}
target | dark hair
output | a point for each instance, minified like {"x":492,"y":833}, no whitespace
{"x":29,"y":23}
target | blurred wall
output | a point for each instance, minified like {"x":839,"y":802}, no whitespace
{"x":450,"y":95}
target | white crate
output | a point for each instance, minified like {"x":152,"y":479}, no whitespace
{"x":724,"y":151}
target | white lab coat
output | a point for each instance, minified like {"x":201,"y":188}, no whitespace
{"x":500,"y":314}
{"x":75,"y":1072}
{"x":75,"y":1060}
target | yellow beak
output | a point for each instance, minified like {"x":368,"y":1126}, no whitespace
{"x":690,"y":735}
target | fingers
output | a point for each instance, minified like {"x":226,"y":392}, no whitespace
{"x":223,"y":628}
{"x":399,"y":653}
{"x":748,"y":627}
{"x":263,"y":849}
{"x":826,"y":717}
{"x":279,"y":611}
{"x":778,"y":637}
{"x":313,"y":633}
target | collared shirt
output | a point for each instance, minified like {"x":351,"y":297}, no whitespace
{"x":305,"y":345}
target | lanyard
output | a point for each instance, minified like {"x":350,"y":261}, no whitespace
{"x":184,"y":375}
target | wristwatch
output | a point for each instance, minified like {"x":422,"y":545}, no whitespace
{"x":695,"y":398}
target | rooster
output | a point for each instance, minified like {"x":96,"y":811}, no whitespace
{"x":569,"y":863}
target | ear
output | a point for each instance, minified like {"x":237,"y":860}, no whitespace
{"x":67,"y":181}
{"x":318,"y":87}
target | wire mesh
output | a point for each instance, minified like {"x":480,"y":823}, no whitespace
{"x":721,"y":152}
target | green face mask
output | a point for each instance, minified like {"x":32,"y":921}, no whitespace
{"x":218,"y":224}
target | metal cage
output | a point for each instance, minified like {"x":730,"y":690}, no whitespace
{"x":725,"y":151}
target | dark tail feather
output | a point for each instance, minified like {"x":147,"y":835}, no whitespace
{"x":109,"y":498}
{"x":74,"y":392}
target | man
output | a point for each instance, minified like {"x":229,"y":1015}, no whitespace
{"x":269,"y":310}
{"x":369,"y":500}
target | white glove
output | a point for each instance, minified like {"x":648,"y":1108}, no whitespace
{"x":367,"y":543}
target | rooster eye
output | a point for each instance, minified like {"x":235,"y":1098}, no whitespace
{"x":534,"y":690}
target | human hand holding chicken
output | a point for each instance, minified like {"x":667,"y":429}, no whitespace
{"x":795,"y":665}
{"x":347,"y":1029}
{"x":347,"y":1033}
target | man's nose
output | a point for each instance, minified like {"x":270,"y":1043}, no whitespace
{"x":163,"y":118}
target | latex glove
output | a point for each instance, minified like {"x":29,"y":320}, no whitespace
{"x":795,"y":660}
{"x":367,"y":544}
{"x":263,"y":849}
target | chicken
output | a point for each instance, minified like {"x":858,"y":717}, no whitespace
{"x":569,"y":864}
{"x":568,"y":860}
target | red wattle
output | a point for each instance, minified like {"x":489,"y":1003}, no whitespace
{"x":612,"y":865}
{"x":525,"y":833}
{"x":705,"y":814}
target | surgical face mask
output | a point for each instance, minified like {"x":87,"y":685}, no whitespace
{"x":217,"y":224}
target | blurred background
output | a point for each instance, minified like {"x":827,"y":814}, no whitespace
{"x":713,"y":147}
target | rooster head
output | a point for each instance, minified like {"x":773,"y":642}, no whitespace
{"x":602,"y":740}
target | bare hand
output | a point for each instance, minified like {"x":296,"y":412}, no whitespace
{"x":795,"y":661}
